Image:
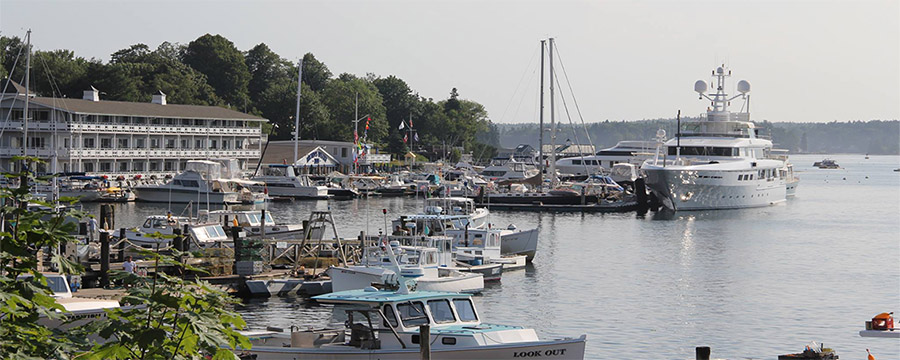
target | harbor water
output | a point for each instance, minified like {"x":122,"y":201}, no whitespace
{"x":750,"y":283}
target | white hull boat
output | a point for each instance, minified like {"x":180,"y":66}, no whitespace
{"x":385,"y":325}
{"x":519,"y":242}
{"x":719,"y":161}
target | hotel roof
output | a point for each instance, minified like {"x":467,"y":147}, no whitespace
{"x":126,"y":108}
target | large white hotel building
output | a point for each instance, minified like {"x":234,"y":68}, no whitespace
{"x":117,"y":138}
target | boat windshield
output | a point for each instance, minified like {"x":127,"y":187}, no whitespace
{"x":412,"y":313}
{"x":440,"y":311}
{"x":465,"y":310}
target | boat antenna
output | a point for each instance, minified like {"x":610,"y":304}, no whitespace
{"x":678,"y":136}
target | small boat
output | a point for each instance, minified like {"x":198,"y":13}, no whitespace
{"x":882,"y":326}
{"x":826,"y":164}
{"x":80,"y":310}
{"x":394,"y":264}
{"x":483,"y":246}
{"x":202,"y":181}
{"x":145,"y":236}
{"x":288,"y":181}
{"x":250,"y":221}
{"x":397,"y":187}
{"x":385,"y":325}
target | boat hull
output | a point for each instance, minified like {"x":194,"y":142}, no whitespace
{"x":693,"y":189}
{"x":563,"y":349}
{"x":183,"y":196}
{"x":520,"y":242}
{"x":358,"y":277}
{"x":470,"y":283}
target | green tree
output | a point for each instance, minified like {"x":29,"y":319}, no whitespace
{"x":339,"y":97}
{"x":315,"y":73}
{"x":224,"y":67}
{"x":22,"y":303}
{"x":169,"y":318}
{"x":398,"y":101}
{"x":11,"y":49}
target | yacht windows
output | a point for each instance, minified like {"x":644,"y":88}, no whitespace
{"x":704,"y":151}
{"x":576,"y":162}
{"x":412,"y":314}
{"x":389,"y":314}
{"x":440,"y":311}
{"x":465,"y":310}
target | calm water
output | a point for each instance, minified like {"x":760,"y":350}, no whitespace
{"x":751,"y":284}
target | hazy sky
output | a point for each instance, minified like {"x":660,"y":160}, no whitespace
{"x":806,"y":60}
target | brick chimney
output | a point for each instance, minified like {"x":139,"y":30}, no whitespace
{"x":93,"y":94}
{"x":159,"y":98}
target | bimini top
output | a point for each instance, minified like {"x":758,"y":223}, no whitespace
{"x":378,"y":297}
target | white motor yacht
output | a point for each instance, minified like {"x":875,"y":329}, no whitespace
{"x":288,"y":181}
{"x":719,"y":162}
{"x":625,"y":152}
{"x":201,"y":182}
{"x":509,"y":170}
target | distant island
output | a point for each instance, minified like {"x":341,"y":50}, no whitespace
{"x":876,"y":137}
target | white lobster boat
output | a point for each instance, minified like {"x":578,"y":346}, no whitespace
{"x":385,"y":325}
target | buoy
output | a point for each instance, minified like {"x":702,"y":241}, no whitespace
{"x":870,"y":355}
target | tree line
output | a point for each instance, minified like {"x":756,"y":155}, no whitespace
{"x":880,"y":137}
{"x":211,"y":70}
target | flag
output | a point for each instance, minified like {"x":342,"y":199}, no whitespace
{"x":402,"y":125}
{"x":404,"y":138}
{"x":355,"y":136}
{"x":416,"y":136}
{"x":410,"y":122}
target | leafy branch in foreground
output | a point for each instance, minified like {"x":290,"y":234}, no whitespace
{"x":26,"y":307}
{"x":167,"y":317}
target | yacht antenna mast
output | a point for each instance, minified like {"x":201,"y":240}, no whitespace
{"x":678,"y":137}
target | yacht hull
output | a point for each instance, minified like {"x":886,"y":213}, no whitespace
{"x":563,"y":349}
{"x":695,"y":189}
{"x":298,"y":192}
{"x":183,"y":196}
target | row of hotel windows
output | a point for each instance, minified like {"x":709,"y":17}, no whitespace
{"x":136,"y":166}
{"x":140,"y":143}
{"x":38,"y":142}
{"x":44,"y":115}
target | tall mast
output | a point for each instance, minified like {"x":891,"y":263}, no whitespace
{"x":297,"y":113}
{"x":541,"y":132}
{"x":27,"y":92}
{"x":552,"y":123}
{"x":356,"y":131}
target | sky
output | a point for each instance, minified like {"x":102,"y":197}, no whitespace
{"x":806,"y":60}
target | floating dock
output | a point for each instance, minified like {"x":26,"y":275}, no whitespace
{"x":626,"y":206}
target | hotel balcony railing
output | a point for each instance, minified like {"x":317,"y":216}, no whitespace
{"x":134,"y":153}
{"x":142,"y":129}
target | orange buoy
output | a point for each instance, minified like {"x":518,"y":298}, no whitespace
{"x":870,"y":355}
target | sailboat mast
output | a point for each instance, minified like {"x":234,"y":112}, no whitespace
{"x":552,"y":123}
{"x":297,"y":113}
{"x":541,"y":116}
{"x":27,"y":92}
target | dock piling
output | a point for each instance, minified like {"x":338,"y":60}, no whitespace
{"x":104,"y":259}
{"x":703,"y":352}
{"x":121,"y":246}
{"x":425,"y":342}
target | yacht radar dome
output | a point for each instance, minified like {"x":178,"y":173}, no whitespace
{"x":743,"y":86}
{"x":720,"y":70}
{"x":700,"y":86}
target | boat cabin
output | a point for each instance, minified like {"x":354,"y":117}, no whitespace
{"x":450,"y":206}
{"x":390,"y":320}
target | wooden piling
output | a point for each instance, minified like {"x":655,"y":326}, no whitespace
{"x":121,"y":246}
{"x":177,"y":241}
{"x":104,"y":259}
{"x":703,"y":352}
{"x":425,"y":342}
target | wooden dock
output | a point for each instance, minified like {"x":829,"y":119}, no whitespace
{"x":626,"y":206}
